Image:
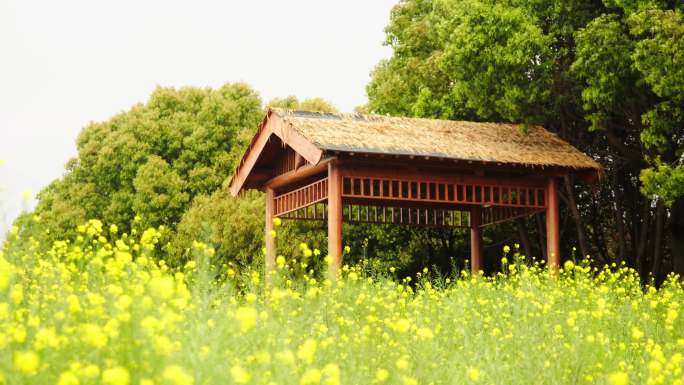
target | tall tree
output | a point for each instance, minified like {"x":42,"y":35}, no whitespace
{"x":597,"y":73}
{"x":151,"y":160}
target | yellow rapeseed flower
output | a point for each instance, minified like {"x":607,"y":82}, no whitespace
{"x":310,"y":377}
{"x":381,"y":375}
{"x":671,"y":315}
{"x":116,"y":376}
{"x":401,"y":325}
{"x":655,"y":368}
{"x":247,"y":317}
{"x":176,"y":375}
{"x":162,"y":287}
{"x":424,"y":333}
{"x":5,"y":273}
{"x":90,"y":371}
{"x":307,"y":351}
{"x":93,"y":335}
{"x":331,"y":373}
{"x":618,"y":378}
{"x":17,"y":293}
{"x":26,"y":362}
{"x":240,"y":375}
{"x":473,"y":374}
{"x":568,"y":265}
{"x":68,"y":378}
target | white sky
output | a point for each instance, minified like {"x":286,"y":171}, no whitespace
{"x":66,"y":63}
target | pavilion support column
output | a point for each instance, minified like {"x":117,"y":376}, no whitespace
{"x":334,"y":218}
{"x":268,"y":236}
{"x":475,"y":239}
{"x":552,"y":225}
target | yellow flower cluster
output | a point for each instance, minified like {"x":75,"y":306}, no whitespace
{"x":106,"y":308}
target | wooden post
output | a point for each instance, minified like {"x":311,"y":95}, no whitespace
{"x":270,"y":240}
{"x":552,"y":227}
{"x":334,"y":218}
{"x":475,"y":239}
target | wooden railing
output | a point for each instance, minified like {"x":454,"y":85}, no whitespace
{"x":301,"y":197}
{"x":442,"y":192}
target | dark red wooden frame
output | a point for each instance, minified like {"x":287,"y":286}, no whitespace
{"x":350,"y":191}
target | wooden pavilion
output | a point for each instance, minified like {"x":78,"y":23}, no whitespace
{"x":418,"y":172}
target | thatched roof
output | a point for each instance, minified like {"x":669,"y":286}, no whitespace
{"x":313,"y":135}
{"x":461,"y":140}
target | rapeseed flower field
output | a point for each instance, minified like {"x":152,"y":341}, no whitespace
{"x":106,"y":309}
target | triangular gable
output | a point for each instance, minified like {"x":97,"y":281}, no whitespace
{"x":273,"y":128}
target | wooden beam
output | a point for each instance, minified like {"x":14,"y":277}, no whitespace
{"x":298,"y":175}
{"x":359,"y":170}
{"x":250,"y":158}
{"x":475,"y":240}
{"x":334,"y":218}
{"x":273,"y":124}
{"x":268,"y":236}
{"x":552,"y":225}
{"x":404,"y":162}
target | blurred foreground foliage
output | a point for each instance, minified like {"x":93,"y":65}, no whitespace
{"x":104,"y":307}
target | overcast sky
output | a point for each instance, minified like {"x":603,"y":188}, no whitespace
{"x":66,"y":63}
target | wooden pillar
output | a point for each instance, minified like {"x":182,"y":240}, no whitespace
{"x":475,"y":239}
{"x":552,"y":225}
{"x":334,"y":217}
{"x":270,"y":240}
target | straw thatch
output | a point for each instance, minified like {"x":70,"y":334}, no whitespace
{"x":470,"y":141}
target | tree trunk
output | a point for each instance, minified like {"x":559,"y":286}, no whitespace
{"x":572,"y":204}
{"x":657,"y":254}
{"x":619,"y":220}
{"x":676,"y":232}
{"x":597,"y":232}
{"x":641,"y":259}
{"x":524,"y":238}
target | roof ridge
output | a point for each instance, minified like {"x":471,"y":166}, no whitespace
{"x":289,"y":112}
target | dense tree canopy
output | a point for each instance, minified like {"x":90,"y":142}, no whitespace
{"x":607,"y":76}
{"x":151,"y":161}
